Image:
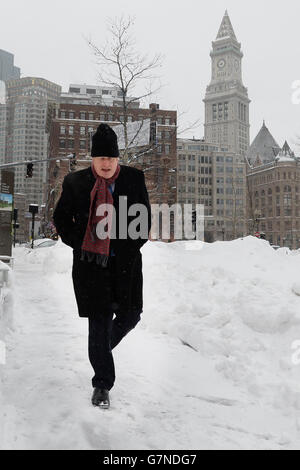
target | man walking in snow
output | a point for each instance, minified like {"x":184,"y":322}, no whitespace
{"x":107,"y":272}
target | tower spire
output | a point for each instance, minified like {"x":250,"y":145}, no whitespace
{"x":226,"y":29}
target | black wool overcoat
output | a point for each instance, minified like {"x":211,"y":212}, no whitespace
{"x":121,"y":282}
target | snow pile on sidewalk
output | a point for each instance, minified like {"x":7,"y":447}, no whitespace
{"x":212,"y":364}
{"x":238,"y":304}
{"x":6,"y":321}
{"x":6,"y":302}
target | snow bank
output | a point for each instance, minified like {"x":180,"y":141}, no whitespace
{"x":234,"y":305}
{"x":53,"y":259}
{"x":6,"y":323}
{"x":6,"y":302}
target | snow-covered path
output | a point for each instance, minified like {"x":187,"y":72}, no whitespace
{"x":166,"y":396}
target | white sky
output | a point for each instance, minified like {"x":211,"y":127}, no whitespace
{"x":47,"y":39}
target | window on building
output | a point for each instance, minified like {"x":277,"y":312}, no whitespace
{"x":287,"y":199}
{"x":82,"y":115}
{"x":287,"y":211}
{"x":82,"y":144}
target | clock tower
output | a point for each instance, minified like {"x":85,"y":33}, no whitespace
{"x":226,"y":100}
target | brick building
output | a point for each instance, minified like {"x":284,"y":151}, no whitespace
{"x":71,"y":129}
{"x":273,"y":200}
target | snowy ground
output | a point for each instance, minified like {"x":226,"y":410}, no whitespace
{"x":209,"y":367}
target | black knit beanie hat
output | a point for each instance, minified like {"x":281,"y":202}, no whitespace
{"x":105,"y":142}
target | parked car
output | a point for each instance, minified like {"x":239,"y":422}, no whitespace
{"x":41,"y":243}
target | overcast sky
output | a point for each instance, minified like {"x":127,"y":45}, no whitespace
{"x":47,"y":39}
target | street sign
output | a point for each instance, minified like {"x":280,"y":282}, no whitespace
{"x":6,"y":208}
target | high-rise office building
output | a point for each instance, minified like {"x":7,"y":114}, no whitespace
{"x":7,"y":68}
{"x":24,"y":131}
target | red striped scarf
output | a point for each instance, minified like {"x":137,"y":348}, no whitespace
{"x":94,"y":248}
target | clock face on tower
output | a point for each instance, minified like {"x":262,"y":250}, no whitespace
{"x":221,"y":63}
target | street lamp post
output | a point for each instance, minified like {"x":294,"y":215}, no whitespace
{"x":15,"y":225}
{"x":33,"y":208}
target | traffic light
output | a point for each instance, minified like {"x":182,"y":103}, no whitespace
{"x":29,"y":171}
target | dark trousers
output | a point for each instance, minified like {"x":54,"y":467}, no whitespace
{"x":104,"y":335}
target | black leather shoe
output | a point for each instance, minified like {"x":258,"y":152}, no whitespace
{"x":100,"y":398}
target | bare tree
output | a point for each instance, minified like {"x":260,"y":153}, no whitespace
{"x":125,"y":69}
